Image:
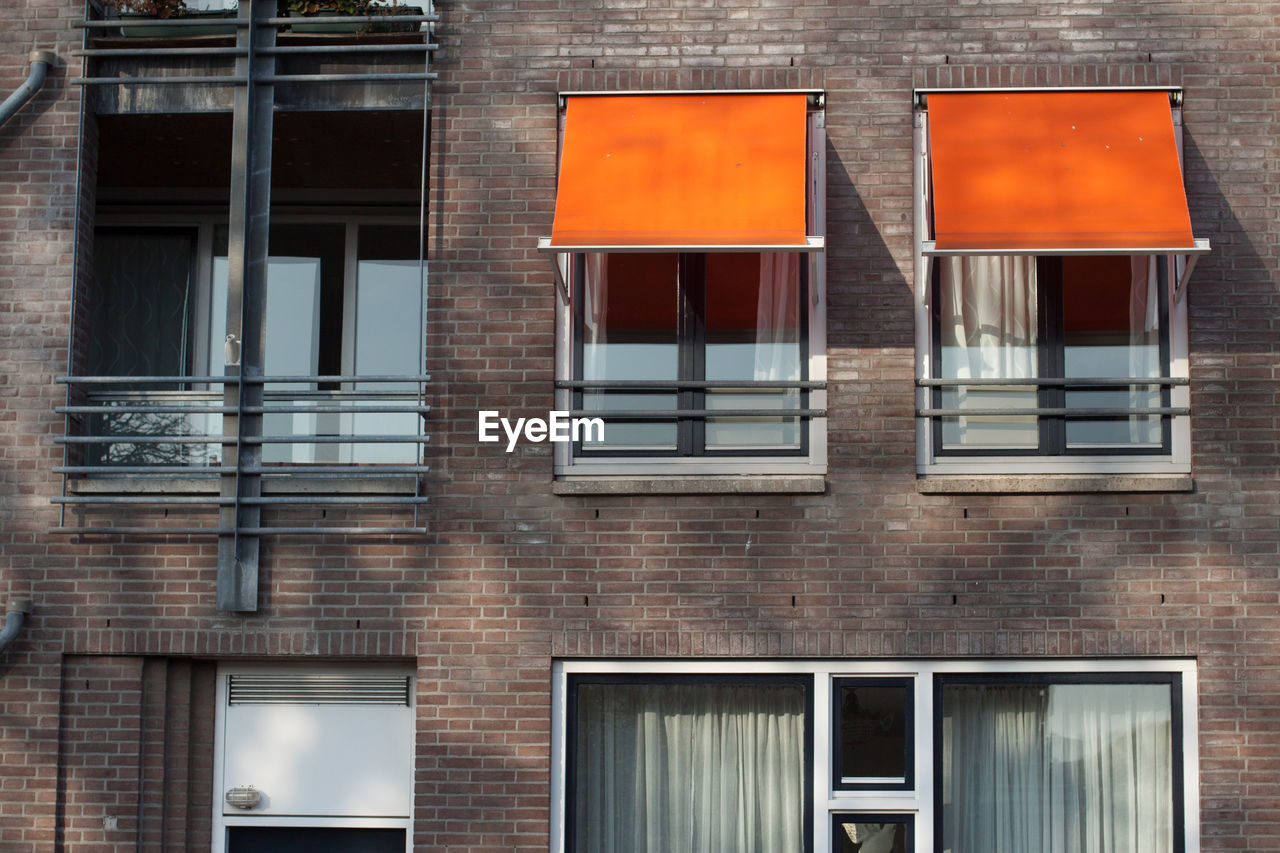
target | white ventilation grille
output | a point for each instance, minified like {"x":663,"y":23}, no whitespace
{"x":295,"y":689}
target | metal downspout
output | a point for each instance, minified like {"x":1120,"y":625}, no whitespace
{"x":41,"y":60}
{"x":15,"y":614}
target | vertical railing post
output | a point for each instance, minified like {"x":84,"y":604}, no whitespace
{"x":249,"y":220}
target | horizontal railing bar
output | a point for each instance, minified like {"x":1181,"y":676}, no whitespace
{"x":674,"y":414}
{"x":159,"y":81}
{"x":346,"y":78}
{"x":1098,"y":381}
{"x":144,"y":409}
{"x":285,"y":50}
{"x":350,"y":19}
{"x":158,"y":470}
{"x":355,"y":469}
{"x":358,"y":470}
{"x":143,"y":52}
{"x":233,"y":380}
{"x":196,"y":23}
{"x":145,"y":439}
{"x":687,"y":384}
{"x":334,"y":410}
{"x":248,"y":439}
{"x":1052,"y":413}
{"x":213,"y":501}
{"x":334,"y":439}
{"x":251,"y":531}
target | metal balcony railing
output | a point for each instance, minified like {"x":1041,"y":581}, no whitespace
{"x":693,"y":385}
{"x":1066,"y":384}
{"x":142,"y":441}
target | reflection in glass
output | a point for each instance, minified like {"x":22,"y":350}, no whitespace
{"x":873,"y":732}
{"x":630,"y":331}
{"x":871,"y":837}
{"x":753,"y":333}
{"x":988,"y":325}
{"x":1111,"y":309}
{"x":1061,"y":768}
{"x":140,"y":314}
{"x":388,"y":339}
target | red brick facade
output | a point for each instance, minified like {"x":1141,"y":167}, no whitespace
{"x":106,"y":697}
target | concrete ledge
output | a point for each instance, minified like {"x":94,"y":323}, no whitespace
{"x":757,"y":484}
{"x":1045,"y":484}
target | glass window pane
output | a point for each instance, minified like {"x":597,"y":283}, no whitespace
{"x":304,"y":307}
{"x":1085,"y":768}
{"x":630,"y":331}
{"x":388,"y":336}
{"x":140,"y":322}
{"x":872,"y":833}
{"x":1112,"y":311}
{"x":874,"y":732}
{"x":753,"y":332}
{"x":987,"y":308}
{"x":687,"y":768}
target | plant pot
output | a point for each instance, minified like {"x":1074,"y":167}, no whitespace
{"x":212,"y":28}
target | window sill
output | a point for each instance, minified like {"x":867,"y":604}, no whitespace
{"x":1046,"y":484}
{"x":758,"y":484}
{"x":295,"y":484}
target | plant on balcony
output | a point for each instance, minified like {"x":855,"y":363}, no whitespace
{"x":326,"y":8}
{"x":168,"y":10}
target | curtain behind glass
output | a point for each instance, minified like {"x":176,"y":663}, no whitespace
{"x":989,"y":331}
{"x":689,"y":768}
{"x":142,"y":304}
{"x":1057,"y":769}
{"x":753,"y":333}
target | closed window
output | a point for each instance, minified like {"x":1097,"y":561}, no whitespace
{"x":730,"y":326}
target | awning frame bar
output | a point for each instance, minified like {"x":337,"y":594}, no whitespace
{"x":930,"y":250}
{"x":811,"y":244}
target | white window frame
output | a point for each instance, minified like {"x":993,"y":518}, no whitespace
{"x":223,"y":822}
{"x":1177,"y":461}
{"x":918,"y":803}
{"x":815,"y":463}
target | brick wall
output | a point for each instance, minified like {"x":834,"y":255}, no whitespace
{"x":512,"y":576}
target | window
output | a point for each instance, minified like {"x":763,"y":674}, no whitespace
{"x":688,"y":765}
{"x":1056,"y":764}
{"x":343,"y":298}
{"x":691,"y":317}
{"x":718,"y":319}
{"x":1054,"y":250}
{"x":1005,"y":756}
{"x":1078,"y":319}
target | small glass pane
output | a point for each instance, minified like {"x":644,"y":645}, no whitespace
{"x":874,"y":733}
{"x":868,"y":833}
{"x":988,"y":320}
{"x":753,"y":333}
{"x":630,"y":332}
{"x":1112,"y":311}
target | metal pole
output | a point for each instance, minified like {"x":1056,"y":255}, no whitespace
{"x":249,"y":221}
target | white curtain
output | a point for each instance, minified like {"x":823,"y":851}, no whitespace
{"x":777,"y":317}
{"x":1057,"y":769}
{"x":1144,"y":344}
{"x":989,"y":328}
{"x":689,"y":768}
{"x":595,"y":305}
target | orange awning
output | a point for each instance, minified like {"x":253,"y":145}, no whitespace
{"x":1018,"y":171}
{"x":682,"y":171}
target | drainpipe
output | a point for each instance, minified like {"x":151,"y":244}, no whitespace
{"x":15,"y":613}
{"x":41,"y":60}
